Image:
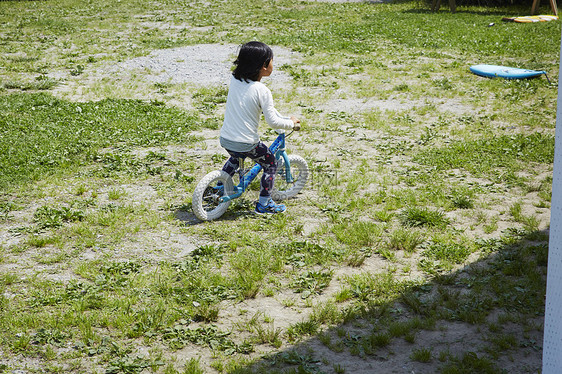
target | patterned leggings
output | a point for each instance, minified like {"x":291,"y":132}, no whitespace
{"x":263,"y":156}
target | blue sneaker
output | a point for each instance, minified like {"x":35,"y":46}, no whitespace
{"x":271,"y":207}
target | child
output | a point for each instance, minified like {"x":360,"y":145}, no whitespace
{"x":247,"y":99}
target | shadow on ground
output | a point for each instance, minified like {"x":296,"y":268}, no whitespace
{"x":484,"y":318}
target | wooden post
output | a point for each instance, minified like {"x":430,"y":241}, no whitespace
{"x":452,"y":5}
{"x":536,"y":3}
{"x":554,"y":7}
{"x":436,"y":5}
{"x":535,"y":6}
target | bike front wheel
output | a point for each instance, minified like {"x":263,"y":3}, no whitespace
{"x":206,"y":202}
{"x":283,"y":189}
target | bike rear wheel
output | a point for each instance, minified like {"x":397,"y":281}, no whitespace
{"x":284,"y":190}
{"x":206,"y":202}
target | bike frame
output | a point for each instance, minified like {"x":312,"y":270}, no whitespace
{"x":278,"y":149}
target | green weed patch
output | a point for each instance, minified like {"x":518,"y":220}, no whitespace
{"x":41,"y":135}
{"x":485,"y":156}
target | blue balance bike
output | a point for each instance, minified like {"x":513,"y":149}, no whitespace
{"x":216,"y":190}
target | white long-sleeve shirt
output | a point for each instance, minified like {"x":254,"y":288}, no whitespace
{"x":244,"y":105}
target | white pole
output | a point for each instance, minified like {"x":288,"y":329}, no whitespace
{"x":552,"y":343}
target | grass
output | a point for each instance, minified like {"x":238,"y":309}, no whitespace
{"x":42,"y":134}
{"x":429,"y":195}
{"x":421,"y":355}
{"x":484,"y":157}
{"x":423,"y":216}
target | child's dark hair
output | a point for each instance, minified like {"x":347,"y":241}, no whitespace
{"x":251,"y":58}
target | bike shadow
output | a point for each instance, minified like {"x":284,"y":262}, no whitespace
{"x":186,"y":216}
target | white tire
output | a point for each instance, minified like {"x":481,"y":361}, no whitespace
{"x":205,"y":203}
{"x":299,"y":171}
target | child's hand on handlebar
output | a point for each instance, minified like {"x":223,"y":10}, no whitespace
{"x":296,"y":123}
